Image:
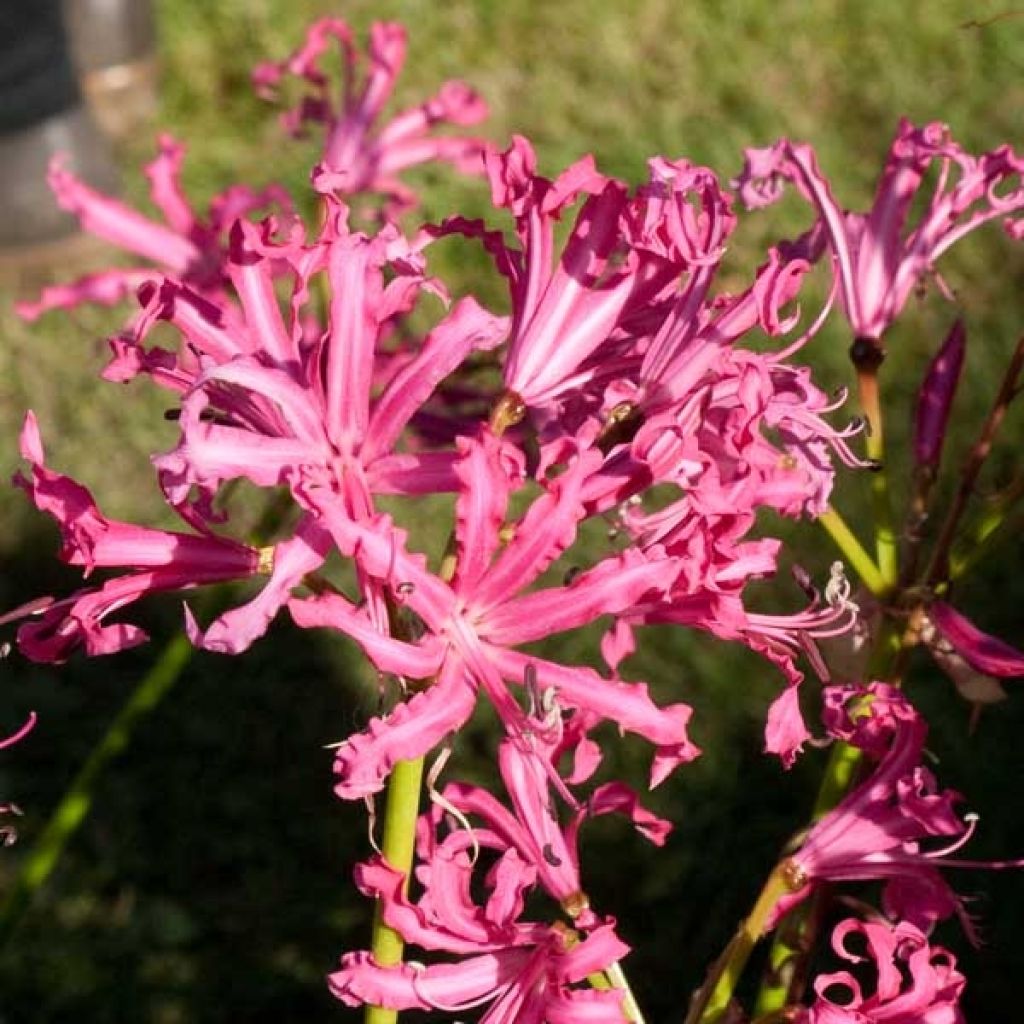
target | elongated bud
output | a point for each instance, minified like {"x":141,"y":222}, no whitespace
{"x":935,"y":399}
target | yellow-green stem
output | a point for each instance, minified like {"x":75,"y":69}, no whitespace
{"x":398,"y":845}
{"x":711,"y":1002}
{"x":617,"y":979}
{"x":852,"y":550}
{"x":881,"y":500}
{"x":76,"y":801}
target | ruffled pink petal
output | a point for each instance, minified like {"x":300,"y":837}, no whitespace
{"x":364,"y":761}
{"x":585,"y":1006}
{"x":450,"y":987}
{"x":388,"y":654}
{"x":106,"y":288}
{"x":489,"y":470}
{"x":785,"y":731}
{"x":467,"y":328}
{"x":119,"y":224}
{"x":627,"y":705}
{"x":547,"y":529}
{"x":238,"y":629}
{"x":618,"y":798}
{"x":614,"y":586}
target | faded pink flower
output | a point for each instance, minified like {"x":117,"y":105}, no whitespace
{"x":359,"y":154}
{"x":188,"y":246}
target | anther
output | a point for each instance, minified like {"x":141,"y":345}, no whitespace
{"x":265,"y":563}
{"x":793,"y":875}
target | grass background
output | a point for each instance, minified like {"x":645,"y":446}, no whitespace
{"x":211,"y":882}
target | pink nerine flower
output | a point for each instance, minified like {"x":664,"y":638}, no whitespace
{"x":527,"y":767}
{"x":474,"y":623}
{"x":190,"y":247}
{"x":158,"y":560}
{"x":878,"y":258}
{"x":916,"y":983}
{"x":877,"y":830}
{"x":622,"y":259}
{"x":358,"y":155}
{"x":521,"y":970}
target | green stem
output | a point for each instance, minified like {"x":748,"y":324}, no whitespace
{"x":75,"y":804}
{"x":790,"y":945}
{"x":617,"y":979}
{"x":852,"y":550}
{"x":881,"y":499}
{"x":711,"y":1001}
{"x":399,"y":844}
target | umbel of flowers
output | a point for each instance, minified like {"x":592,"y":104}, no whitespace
{"x":624,"y":385}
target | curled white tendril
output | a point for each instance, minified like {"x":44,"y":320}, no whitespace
{"x":446,"y":805}
{"x":371,"y":823}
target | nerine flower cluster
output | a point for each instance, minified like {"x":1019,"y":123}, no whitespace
{"x":618,"y":384}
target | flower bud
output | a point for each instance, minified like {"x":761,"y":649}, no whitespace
{"x":935,"y":399}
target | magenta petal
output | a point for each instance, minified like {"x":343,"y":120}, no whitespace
{"x":364,"y":761}
{"x":618,"y":798}
{"x":413,"y":473}
{"x":238,"y":629}
{"x":388,"y":654}
{"x":585,"y":1006}
{"x":489,"y":470}
{"x":450,"y":987}
{"x":547,"y":529}
{"x":612,"y":587}
{"x":785,"y":732}
{"x":935,"y":397}
{"x":120,"y":225}
{"x":253,"y":278}
{"x":600,"y":949}
{"x":628,"y":705}
{"x":466,"y":328}
{"x":106,"y":288}
{"x":981,"y":651}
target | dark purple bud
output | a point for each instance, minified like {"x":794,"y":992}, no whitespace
{"x":935,"y":399}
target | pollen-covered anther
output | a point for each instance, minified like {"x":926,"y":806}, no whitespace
{"x":506,"y":532}
{"x":265,"y":564}
{"x":788,"y":462}
{"x":566,"y":935}
{"x":575,"y":904}
{"x":793,"y":875}
{"x":509,"y":410}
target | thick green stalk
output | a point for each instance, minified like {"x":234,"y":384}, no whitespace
{"x":789,"y":947}
{"x":886,"y":553}
{"x":398,"y":846}
{"x":711,"y":1002}
{"x":74,"y":805}
{"x":852,"y":550}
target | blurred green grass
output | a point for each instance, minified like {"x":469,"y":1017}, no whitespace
{"x":211,"y":883}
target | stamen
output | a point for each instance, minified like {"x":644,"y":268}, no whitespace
{"x":21,"y":733}
{"x":446,"y":805}
{"x":265,"y":563}
{"x":371,"y":823}
{"x":971,"y":821}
